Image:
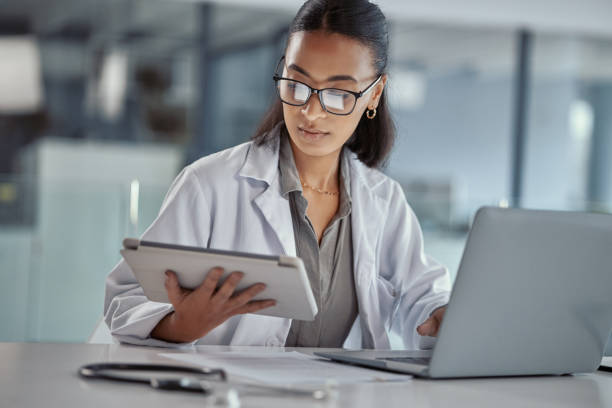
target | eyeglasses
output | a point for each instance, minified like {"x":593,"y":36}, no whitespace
{"x":333,"y":100}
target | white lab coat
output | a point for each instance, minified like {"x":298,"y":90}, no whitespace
{"x":231,"y":200}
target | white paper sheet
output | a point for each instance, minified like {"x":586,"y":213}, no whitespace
{"x":284,"y":368}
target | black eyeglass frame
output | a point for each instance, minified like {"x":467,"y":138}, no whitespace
{"x":316,"y":91}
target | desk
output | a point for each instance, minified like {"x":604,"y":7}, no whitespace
{"x":44,"y":375}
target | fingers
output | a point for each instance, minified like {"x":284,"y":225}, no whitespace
{"x":207,"y":288}
{"x":227,"y":289}
{"x":243,"y":297}
{"x":254,"y":306}
{"x":176,"y":294}
{"x":429,"y":327}
{"x":224,"y":299}
{"x":439,"y":313}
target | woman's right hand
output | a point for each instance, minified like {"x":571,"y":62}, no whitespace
{"x":197,"y":312}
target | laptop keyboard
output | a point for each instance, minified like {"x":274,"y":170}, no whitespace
{"x":410,"y":360}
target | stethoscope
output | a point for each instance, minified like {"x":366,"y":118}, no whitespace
{"x":109,"y":371}
{"x":120,"y":372}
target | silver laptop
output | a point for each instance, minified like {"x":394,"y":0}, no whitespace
{"x":533,"y":296}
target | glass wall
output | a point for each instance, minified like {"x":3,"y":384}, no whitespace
{"x":451,"y":91}
{"x":569,"y":134}
{"x":124,"y":94}
{"x":121,"y":94}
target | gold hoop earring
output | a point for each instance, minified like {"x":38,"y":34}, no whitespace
{"x":370,"y":113}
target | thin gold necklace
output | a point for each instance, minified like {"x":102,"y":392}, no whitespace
{"x":318,"y":190}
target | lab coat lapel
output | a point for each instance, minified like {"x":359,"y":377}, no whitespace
{"x":269,"y":330}
{"x":275,"y":210}
{"x":261,"y":164}
{"x":367,"y":213}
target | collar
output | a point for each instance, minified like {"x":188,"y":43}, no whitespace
{"x":261,"y":163}
{"x":289,"y":176}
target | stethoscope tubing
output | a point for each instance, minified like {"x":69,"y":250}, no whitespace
{"x":100,"y":371}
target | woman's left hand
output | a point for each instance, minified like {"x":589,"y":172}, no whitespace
{"x":431,"y":326}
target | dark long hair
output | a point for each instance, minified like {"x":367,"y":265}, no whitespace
{"x":361,"y":20}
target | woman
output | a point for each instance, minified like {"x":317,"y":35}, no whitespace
{"x":307,"y":185}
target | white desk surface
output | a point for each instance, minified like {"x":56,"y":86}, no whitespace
{"x":45,"y":375}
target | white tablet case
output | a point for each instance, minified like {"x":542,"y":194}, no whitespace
{"x":285,"y":277}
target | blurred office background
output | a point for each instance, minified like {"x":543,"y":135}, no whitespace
{"x":102,"y":102}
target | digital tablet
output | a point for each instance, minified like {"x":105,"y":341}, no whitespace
{"x":285,"y":277}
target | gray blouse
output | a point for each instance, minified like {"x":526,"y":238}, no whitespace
{"x":329,"y":266}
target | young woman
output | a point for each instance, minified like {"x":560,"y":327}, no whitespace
{"x":307,"y":186}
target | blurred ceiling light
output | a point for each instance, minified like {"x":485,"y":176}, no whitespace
{"x":408,"y":89}
{"x":581,"y":119}
{"x":21,"y":88}
{"x":112,"y":85}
